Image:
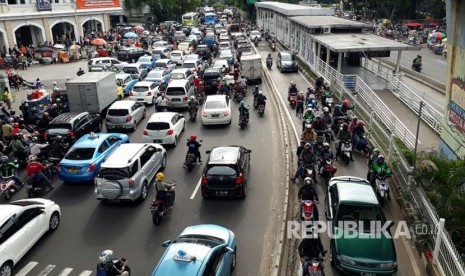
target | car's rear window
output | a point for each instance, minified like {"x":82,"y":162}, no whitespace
{"x":188,"y":65}
{"x":80,"y":154}
{"x":177,"y":76}
{"x":114,"y":174}
{"x":130,"y":70}
{"x":175,"y":54}
{"x":59,"y":128}
{"x":160,"y":64}
{"x":211,"y":76}
{"x":175,"y":91}
{"x":158,"y":126}
{"x":157,"y":52}
{"x":140,"y":88}
{"x":118,"y":112}
{"x":155,"y":74}
{"x":215,"y":105}
{"x":221,"y":171}
{"x":286,"y":57}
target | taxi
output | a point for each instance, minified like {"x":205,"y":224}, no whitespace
{"x":126,"y":81}
{"x":82,"y":162}
{"x":204,"y":249}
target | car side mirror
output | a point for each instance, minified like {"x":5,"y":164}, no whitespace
{"x":229,"y":250}
{"x":249,"y":151}
{"x":181,"y":116}
{"x":208,"y":151}
{"x":166,"y":243}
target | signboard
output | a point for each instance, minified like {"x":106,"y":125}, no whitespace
{"x":251,"y":2}
{"x":373,"y":54}
{"x":96,"y":4}
{"x":44,"y":5}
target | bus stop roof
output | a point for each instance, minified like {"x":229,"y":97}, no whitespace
{"x":293,"y":10}
{"x":314,"y":22}
{"x":362,"y":42}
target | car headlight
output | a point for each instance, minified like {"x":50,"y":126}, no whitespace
{"x":343,"y":259}
{"x":388,"y":265}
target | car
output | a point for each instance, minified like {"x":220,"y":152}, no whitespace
{"x":82,"y":161}
{"x":204,"y":249}
{"x":216,"y":110}
{"x":165,"y":64}
{"x":224,"y":38}
{"x":224,"y":45}
{"x":158,"y":76}
{"x":164,"y":128}
{"x":198,"y":34}
{"x":178,"y":57}
{"x":210,"y":79}
{"x":178,"y":93}
{"x":131,"y":54}
{"x":162,"y":44}
{"x":226,"y":172}
{"x":125,"y":115}
{"x":179,"y":36}
{"x":186,"y":47}
{"x":112,"y":62}
{"x":194,"y":57}
{"x":182,"y":74}
{"x":245,"y":50}
{"x":352,"y":199}
{"x":192,"y":65}
{"x":192,"y":38}
{"x":144,"y":91}
{"x":255,"y":34}
{"x":99,"y":68}
{"x":147,"y":62}
{"x":73,"y":125}
{"x":202,"y":49}
{"x":286,"y":62}
{"x":242,"y":44}
{"x":136,"y":70}
{"x":219,"y":63}
{"x":161,"y":53}
{"x":128,"y":171}
{"x":127,"y":81}
{"x":22,"y":223}
{"x":228,"y":55}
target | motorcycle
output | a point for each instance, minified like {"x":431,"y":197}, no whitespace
{"x":8,"y":187}
{"x":36,"y":187}
{"x":346,"y":151}
{"x":328,"y":171}
{"x":191,"y":159}
{"x":269,"y":63}
{"x":255,"y":42}
{"x":192,"y":113}
{"x":255,"y":102}
{"x":308,"y":171}
{"x":314,"y":266}
{"x":238,"y":96}
{"x":362,"y":145}
{"x":307,"y":210}
{"x":261,"y":110}
{"x":273,"y":46}
{"x":293,"y":101}
{"x":417,"y":68}
{"x":338,"y":122}
{"x":382,"y":188}
{"x":242,"y":121}
{"x":160,"y":208}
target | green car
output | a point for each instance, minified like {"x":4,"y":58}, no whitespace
{"x":357,"y":247}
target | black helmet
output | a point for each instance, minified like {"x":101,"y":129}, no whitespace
{"x":345,"y":127}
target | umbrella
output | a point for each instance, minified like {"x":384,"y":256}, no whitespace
{"x":138,"y":28}
{"x":75,"y":47}
{"x":438,"y":35}
{"x":44,"y":49}
{"x":98,"y":42}
{"x":59,"y":46}
{"x":130,"y":35}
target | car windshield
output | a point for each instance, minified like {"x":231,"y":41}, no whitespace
{"x":157,"y":52}
{"x":158,"y":126}
{"x":215,"y":105}
{"x":122,"y":52}
{"x":175,"y":91}
{"x":175,"y":54}
{"x":155,"y":75}
{"x":220,"y":63}
{"x":140,"y":88}
{"x":143,"y":59}
{"x":211,"y":76}
{"x":118,"y":112}
{"x":59,"y":128}
{"x":224,"y":45}
{"x":221,"y":171}
{"x":130,"y":70}
{"x":177,"y":76}
{"x":192,"y":57}
{"x":255,"y":33}
{"x":188,"y":65}
{"x":158,"y":44}
{"x":80,"y":154}
{"x":355,"y":213}
{"x":287,"y":57}
{"x":204,"y":240}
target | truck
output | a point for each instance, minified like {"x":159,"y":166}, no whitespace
{"x":251,"y":68}
{"x":92,"y":92}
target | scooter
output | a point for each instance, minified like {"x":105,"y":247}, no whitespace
{"x":269,"y":63}
{"x":261,"y":110}
{"x":255,"y":102}
{"x":255,"y":42}
{"x":346,"y":151}
{"x":192,"y":114}
{"x":8,"y":187}
{"x":362,"y":145}
{"x":382,"y":188}
{"x":160,"y":208}
{"x":308,"y":171}
{"x":242,"y":121}
{"x":293,"y":101}
{"x":314,"y":266}
{"x":273,"y":46}
{"x":238,"y":96}
{"x":307,"y":210}
{"x":328,"y":171}
{"x":191,"y":159}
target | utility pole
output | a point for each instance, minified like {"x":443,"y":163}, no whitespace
{"x":416,"y":137}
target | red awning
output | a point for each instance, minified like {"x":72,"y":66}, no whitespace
{"x":434,"y":24}
{"x":412,"y":24}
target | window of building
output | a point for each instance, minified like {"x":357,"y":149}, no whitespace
{"x":57,"y":1}
{"x":12,"y":2}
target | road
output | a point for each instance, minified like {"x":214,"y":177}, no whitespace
{"x":89,"y":226}
{"x":357,"y":168}
{"x":434,"y":66}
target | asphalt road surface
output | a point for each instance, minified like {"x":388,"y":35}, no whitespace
{"x":89,"y":226}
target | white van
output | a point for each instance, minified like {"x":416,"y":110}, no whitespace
{"x":178,"y":93}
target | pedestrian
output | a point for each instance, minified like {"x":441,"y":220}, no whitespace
{"x":16,"y":82}
{"x":7,"y":97}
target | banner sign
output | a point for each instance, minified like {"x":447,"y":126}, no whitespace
{"x":96,"y":4}
{"x":44,"y":5}
{"x":251,"y":2}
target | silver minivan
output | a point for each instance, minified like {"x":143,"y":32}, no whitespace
{"x":178,"y":93}
{"x":125,"y":114}
{"x":128,"y":171}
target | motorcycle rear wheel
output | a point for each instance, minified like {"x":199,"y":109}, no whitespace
{"x":156,"y":218}
{"x":32,"y":193}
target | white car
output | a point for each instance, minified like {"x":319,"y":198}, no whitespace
{"x":178,"y":57}
{"x":219,"y":64}
{"x":22,"y":224}
{"x":186,"y":47}
{"x":107,"y":61}
{"x":227,"y":54}
{"x":192,"y":65}
{"x":224,"y":38}
{"x":158,"y":76}
{"x":182,"y":74}
{"x":255,"y":34}
{"x":195,"y":57}
{"x":162,"y":44}
{"x":216,"y":110}
{"x":144,"y":91}
{"x":164,"y":128}
{"x":224,"y":45}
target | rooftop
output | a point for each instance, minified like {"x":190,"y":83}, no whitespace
{"x":355,"y":42}
{"x":293,"y":10}
{"x":313,"y":22}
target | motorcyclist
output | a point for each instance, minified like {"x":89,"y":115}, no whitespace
{"x":192,"y":104}
{"x":261,"y":99}
{"x":43,"y":122}
{"x":310,"y":90}
{"x":353,"y":123}
{"x":8,"y":170}
{"x":337,"y":112}
{"x":244,"y":110}
{"x":80,"y":72}
{"x":417,"y":62}
{"x":358,"y":131}
{"x":311,"y":248}
{"x":292,"y":91}
{"x":18,"y":148}
{"x":319,"y":126}
{"x":196,"y":81}
{"x":319,"y":82}
{"x":5,"y":113}
{"x":311,"y":102}
{"x":108,"y":267}
{"x":307,"y":158}
{"x":326,"y":94}
{"x":373,"y":157}
{"x":193,"y":146}
{"x":343,"y":135}
{"x":325,"y":154}
{"x":299,"y":106}
{"x":238,"y":89}
{"x":346,"y":107}
{"x":269,"y":59}
{"x":35,"y":170}
{"x":326,"y":117}
{"x":379,"y":167}
{"x":163,"y":189}
{"x":38,"y":84}
{"x":308,"y":192}
{"x":308,"y":135}
{"x":35,"y":147}
{"x":308,"y":116}
{"x":53,"y":111}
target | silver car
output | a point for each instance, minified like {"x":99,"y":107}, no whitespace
{"x":125,"y":114}
{"x":128,"y":171}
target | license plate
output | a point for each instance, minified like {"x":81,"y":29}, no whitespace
{"x":176,"y":100}
{"x":158,"y":141}
{"x":221,"y":193}
{"x":140,"y":100}
{"x":215,"y":115}
{"x":73,"y":170}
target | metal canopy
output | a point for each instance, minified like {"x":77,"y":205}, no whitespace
{"x":293,"y":10}
{"x":359,"y":43}
{"x":314,"y":22}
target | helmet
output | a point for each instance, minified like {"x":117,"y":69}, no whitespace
{"x":308,"y":181}
{"x":193,"y":137}
{"x":301,"y":93}
{"x":16,"y":125}
{"x":32,"y":158}
{"x":380,"y":158}
{"x":106,"y":256}
{"x":376,"y":150}
{"x":292,"y":83}
{"x":419,"y":56}
{"x":308,"y":126}
{"x":160,"y":176}
{"x":10,"y":120}
{"x":2,"y":103}
{"x":54,"y":83}
{"x":54,"y":105}
{"x":34,"y":140}
{"x":58,"y":100}
{"x":325,"y":109}
{"x":260,"y":92}
{"x":242,"y":103}
{"x":192,"y":97}
{"x":360,"y":123}
{"x":4,"y":159}
{"x":309,"y":109}
{"x":345,"y":102}
{"x":308,"y":146}
{"x":325,"y":144}
{"x":354,"y":118}
{"x":256,"y":86}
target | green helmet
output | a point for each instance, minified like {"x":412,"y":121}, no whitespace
{"x":376,"y":150}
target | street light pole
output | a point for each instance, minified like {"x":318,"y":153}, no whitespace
{"x":76,"y":31}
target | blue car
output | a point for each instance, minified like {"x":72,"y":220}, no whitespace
{"x":147,"y":62}
{"x":82,"y":162}
{"x":158,"y":76}
{"x":127,"y":81}
{"x":196,"y":249}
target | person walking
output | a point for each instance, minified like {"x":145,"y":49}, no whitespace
{"x":7,"y":97}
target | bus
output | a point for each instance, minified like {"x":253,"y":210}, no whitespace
{"x":210,"y":18}
{"x":208,"y":9}
{"x":190,"y":18}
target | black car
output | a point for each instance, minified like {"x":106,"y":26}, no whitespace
{"x":210,"y":80}
{"x":71,"y":126}
{"x":226,"y":172}
{"x":131,"y":54}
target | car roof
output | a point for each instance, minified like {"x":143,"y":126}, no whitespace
{"x":143,"y":83}
{"x":208,"y":229}
{"x":165,"y":60}
{"x":122,"y":104}
{"x":212,"y":70}
{"x":162,"y":117}
{"x":7,"y":210}
{"x":354,"y":190}
{"x":224,"y":155}
{"x":122,"y":75}
{"x":68,"y":117}
{"x":169,"y":266}
{"x":180,"y":70}
{"x":87,"y":141}
{"x":177,"y":83}
{"x":285,"y":53}
{"x":123,"y":154}
{"x":133,"y":65}
{"x":215,"y":98}
{"x":177,"y":51}
{"x":190,"y":61}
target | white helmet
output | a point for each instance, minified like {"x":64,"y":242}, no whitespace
{"x":32,"y":158}
{"x":106,"y":256}
{"x":54,"y":83}
{"x":308,"y":180}
{"x":309,"y":109}
{"x":325,"y":109}
{"x":192,"y":97}
{"x":292,"y":83}
{"x":260,"y":92}
{"x":325,"y":144}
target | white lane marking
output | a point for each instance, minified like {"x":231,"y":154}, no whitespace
{"x":85,"y":273}
{"x":47,"y":270}
{"x":25,"y":270}
{"x":65,"y":272}
{"x":196,"y":188}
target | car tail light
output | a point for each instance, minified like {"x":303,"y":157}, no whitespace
{"x":131,"y":182}
{"x":226,"y":113}
{"x":71,"y":134}
{"x":45,"y":135}
{"x":184,"y":99}
{"x":149,"y":94}
{"x":127,"y":56}
{"x":144,"y":132}
{"x":130,"y":94}
{"x":170,"y":132}
{"x":204,"y":180}
{"x":91,"y":167}
{"x":240,"y":179}
{"x":128,"y":119}
{"x":204,"y":114}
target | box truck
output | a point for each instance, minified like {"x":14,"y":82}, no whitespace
{"x":251,"y":68}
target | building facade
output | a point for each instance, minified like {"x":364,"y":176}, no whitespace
{"x":29,"y":22}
